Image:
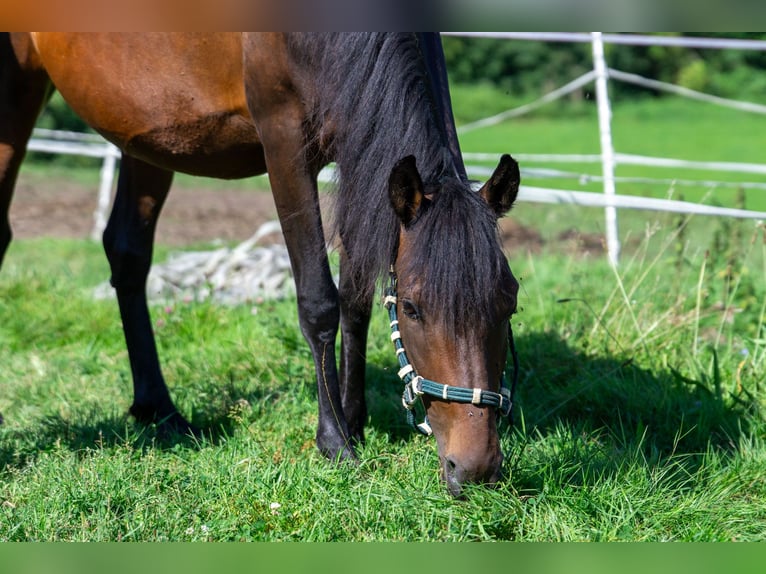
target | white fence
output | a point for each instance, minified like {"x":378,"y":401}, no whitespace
{"x":89,"y":145}
{"x":608,"y":157}
{"x":95,"y":146}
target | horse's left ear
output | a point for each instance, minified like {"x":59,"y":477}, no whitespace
{"x":405,"y":190}
{"x":501,"y":189}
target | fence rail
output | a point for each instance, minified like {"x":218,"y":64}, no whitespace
{"x":89,"y":145}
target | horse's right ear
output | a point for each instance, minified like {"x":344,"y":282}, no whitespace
{"x":405,"y":189}
{"x":501,"y":189}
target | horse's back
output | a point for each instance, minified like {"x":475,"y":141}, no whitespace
{"x":174,"y":100}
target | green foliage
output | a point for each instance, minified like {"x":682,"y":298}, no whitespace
{"x":694,"y":75}
{"x":530,"y":68}
{"x":518,"y":67}
{"x":57,"y":115}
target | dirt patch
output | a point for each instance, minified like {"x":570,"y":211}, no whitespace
{"x":573,"y":241}
{"x":60,"y":209}
{"x":66,"y":209}
{"x":200,"y":215}
{"x":517,"y":237}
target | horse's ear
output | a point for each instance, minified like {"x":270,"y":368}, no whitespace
{"x":405,"y":189}
{"x":501,"y":189}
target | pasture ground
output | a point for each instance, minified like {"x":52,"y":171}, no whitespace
{"x":640,"y":415}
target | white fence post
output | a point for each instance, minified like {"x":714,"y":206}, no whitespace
{"x":104,"y":191}
{"x":607,"y":150}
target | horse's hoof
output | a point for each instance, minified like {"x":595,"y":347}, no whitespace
{"x":170,"y":424}
{"x":176,"y":425}
{"x":337,"y":451}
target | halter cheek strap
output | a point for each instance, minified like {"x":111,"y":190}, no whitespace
{"x":416,"y":386}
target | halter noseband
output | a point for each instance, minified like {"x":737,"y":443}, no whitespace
{"x":416,"y":386}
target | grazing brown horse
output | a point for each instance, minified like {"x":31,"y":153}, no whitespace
{"x":238,"y":104}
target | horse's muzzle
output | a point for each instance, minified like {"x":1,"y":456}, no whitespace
{"x":457,"y":473}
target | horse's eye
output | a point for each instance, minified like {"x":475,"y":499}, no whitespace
{"x":410,"y":310}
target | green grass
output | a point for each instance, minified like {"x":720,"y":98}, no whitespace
{"x":640,"y":416}
{"x":668,"y":127}
{"x":672,"y":127}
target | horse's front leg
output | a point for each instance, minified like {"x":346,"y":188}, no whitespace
{"x":129,"y":242}
{"x":318,"y":302}
{"x":354,"y":325}
{"x":294,"y":186}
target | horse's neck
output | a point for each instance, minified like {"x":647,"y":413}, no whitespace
{"x":436,"y":74}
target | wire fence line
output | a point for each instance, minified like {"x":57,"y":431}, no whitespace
{"x":588,"y":199}
{"x":584,"y":178}
{"x":626,"y":158}
{"x":552,"y":96}
{"x":686,"y":92}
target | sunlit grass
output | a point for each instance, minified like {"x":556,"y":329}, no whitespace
{"x":670,"y":127}
{"x":639,"y":418}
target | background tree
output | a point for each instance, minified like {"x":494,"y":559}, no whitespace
{"x":522,"y":67}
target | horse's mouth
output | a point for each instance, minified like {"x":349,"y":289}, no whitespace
{"x":456,"y":478}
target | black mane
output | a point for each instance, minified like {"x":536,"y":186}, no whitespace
{"x":460,"y":259}
{"x":374,"y":96}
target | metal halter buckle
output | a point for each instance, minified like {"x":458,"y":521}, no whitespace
{"x":506,"y":400}
{"x":412,"y":391}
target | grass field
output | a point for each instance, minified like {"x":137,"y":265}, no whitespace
{"x":673,"y":127}
{"x":640,"y":407}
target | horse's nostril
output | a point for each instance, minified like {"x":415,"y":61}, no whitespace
{"x":452,"y":469}
{"x":455,"y":473}
{"x":478,"y":472}
{"x":452,"y":477}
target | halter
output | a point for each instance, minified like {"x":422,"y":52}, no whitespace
{"x":416,"y":386}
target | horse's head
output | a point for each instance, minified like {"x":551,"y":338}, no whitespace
{"x":454,"y":296}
